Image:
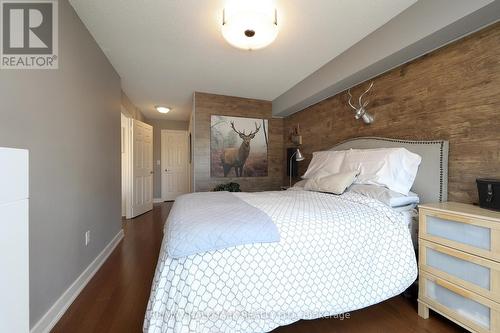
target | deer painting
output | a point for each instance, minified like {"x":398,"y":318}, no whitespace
{"x":237,"y":157}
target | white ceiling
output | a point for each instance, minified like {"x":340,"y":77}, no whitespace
{"x":164,"y":50}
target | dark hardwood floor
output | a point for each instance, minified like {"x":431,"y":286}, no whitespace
{"x":115,"y":299}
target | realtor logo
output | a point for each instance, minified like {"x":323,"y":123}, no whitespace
{"x":29,"y":34}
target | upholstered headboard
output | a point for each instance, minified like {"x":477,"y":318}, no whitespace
{"x":431,"y":183}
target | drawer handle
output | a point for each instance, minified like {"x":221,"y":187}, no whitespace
{"x":452,"y":288}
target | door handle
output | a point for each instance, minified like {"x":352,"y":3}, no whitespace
{"x":151,"y":172}
{"x":166,"y":170}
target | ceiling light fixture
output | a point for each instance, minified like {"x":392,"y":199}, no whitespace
{"x":162,"y":109}
{"x":250,"y":24}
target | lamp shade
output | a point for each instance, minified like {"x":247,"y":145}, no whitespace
{"x":298,"y":156}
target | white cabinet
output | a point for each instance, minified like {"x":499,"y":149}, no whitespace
{"x":14,"y":241}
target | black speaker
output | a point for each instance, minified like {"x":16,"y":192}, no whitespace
{"x":489,"y":193}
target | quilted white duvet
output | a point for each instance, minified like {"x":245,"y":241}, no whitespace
{"x":336,"y":254}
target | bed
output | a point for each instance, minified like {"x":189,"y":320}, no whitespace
{"x":336,"y":254}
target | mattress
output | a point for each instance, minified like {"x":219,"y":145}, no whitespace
{"x":336,"y":254}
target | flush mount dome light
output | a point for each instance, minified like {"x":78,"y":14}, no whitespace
{"x":250,"y":24}
{"x":162,"y":109}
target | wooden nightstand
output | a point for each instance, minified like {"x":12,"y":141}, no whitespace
{"x":459,"y":265}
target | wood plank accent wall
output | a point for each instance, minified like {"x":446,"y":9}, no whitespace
{"x":207,"y":105}
{"x":452,"y":93}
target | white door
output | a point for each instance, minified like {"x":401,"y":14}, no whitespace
{"x":174,"y":164}
{"x":142,"y":168}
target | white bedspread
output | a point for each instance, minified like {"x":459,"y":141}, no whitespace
{"x":336,"y":254}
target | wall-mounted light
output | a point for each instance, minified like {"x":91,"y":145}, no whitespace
{"x":249,"y":24}
{"x":162,"y":109}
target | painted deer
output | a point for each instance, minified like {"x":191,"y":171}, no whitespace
{"x":237,"y":157}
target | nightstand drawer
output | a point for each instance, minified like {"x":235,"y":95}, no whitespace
{"x":471,"y":272}
{"x":463,"y":233}
{"x":465,"y":307}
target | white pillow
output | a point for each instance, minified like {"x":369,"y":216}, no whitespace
{"x":384,"y":195}
{"x":336,"y":183}
{"x":328,"y":161}
{"x":395,"y":168}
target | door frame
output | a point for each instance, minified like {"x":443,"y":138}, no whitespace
{"x":162,"y":159}
{"x":130,"y":167}
{"x":127,"y":167}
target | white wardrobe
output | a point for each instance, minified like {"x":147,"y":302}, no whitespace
{"x":14,"y":240}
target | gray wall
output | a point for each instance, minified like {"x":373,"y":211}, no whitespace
{"x":69,"y":119}
{"x":130,"y":110}
{"x":159,"y":125}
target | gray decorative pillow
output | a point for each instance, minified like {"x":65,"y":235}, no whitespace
{"x":300,"y":184}
{"x":334,"y":183}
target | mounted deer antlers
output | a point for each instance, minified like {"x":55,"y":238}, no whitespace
{"x":360,"y":110}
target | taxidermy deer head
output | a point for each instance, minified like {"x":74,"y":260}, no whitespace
{"x":360,"y":110}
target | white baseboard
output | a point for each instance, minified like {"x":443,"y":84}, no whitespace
{"x":158,"y":200}
{"x":57,"y":310}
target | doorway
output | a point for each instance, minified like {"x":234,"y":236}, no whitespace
{"x":137,"y":167}
{"x":174,"y":164}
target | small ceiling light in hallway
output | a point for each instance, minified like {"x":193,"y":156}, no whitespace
{"x":162,"y":109}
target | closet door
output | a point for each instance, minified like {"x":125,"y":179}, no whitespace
{"x":14,"y":241}
{"x":174,"y":163}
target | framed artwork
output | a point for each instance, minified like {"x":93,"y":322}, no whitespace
{"x":238,"y":147}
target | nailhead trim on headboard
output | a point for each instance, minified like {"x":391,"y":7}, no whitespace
{"x":441,"y":172}
{"x":419,"y":142}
